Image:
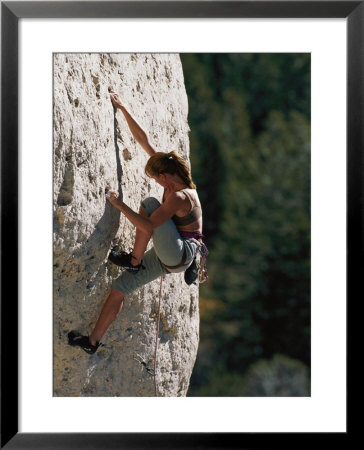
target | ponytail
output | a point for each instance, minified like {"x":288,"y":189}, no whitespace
{"x":170,"y":163}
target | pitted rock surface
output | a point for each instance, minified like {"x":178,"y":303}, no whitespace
{"x":93,"y":150}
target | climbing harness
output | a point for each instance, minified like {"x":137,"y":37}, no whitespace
{"x":203,"y":253}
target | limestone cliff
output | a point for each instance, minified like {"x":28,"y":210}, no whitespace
{"x":93,"y":148}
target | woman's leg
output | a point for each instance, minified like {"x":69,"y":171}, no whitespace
{"x":125,"y":284}
{"x":168,"y":244}
{"x":109,"y":313}
{"x":128,"y":282}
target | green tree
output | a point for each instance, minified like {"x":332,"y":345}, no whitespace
{"x":250,"y":152}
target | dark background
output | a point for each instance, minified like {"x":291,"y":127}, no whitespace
{"x":249,"y":116}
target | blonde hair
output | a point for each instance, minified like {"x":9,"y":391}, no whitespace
{"x":170,"y":163}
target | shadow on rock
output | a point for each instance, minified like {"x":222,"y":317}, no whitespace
{"x":97,"y":245}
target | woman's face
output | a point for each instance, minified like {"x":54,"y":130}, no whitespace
{"x":161,"y":179}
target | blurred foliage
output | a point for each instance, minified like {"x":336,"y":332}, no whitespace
{"x":250,"y":153}
{"x":278,"y":377}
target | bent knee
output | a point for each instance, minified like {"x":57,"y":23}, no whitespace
{"x":150,"y":204}
{"x":117,"y":295}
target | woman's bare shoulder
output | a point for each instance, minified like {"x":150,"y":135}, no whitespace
{"x":192,"y":194}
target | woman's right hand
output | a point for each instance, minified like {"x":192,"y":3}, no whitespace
{"x":115,"y":100}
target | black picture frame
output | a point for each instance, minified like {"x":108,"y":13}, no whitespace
{"x":11,"y":12}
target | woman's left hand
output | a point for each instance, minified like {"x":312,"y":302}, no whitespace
{"x":112,"y":196}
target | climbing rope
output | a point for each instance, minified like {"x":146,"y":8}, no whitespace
{"x":202,"y":278}
{"x":156,"y":339}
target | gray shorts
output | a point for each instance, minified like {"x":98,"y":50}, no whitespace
{"x":168,"y":248}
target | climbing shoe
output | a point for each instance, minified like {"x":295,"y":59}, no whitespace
{"x":123,"y":259}
{"x":191,"y":273}
{"x":76,"y":339}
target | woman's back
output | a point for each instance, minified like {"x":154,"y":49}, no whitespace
{"x":190,"y":219}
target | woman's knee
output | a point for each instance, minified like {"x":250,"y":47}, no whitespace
{"x":116,"y":295}
{"x":150,"y":204}
{"x":142,"y":211}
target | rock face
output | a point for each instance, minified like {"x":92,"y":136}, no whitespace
{"x":94,"y":149}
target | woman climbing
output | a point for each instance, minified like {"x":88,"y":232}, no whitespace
{"x":175,"y":225}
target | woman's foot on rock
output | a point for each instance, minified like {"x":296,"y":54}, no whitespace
{"x":78,"y":340}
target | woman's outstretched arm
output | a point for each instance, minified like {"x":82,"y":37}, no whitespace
{"x":136,"y":130}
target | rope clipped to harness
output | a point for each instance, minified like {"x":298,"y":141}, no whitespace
{"x":202,"y":250}
{"x":202,"y":267}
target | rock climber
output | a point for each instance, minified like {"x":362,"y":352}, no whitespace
{"x":175,"y":226}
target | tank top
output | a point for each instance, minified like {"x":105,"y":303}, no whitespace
{"x":193,"y":216}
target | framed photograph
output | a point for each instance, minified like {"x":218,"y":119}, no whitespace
{"x":57,"y":58}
